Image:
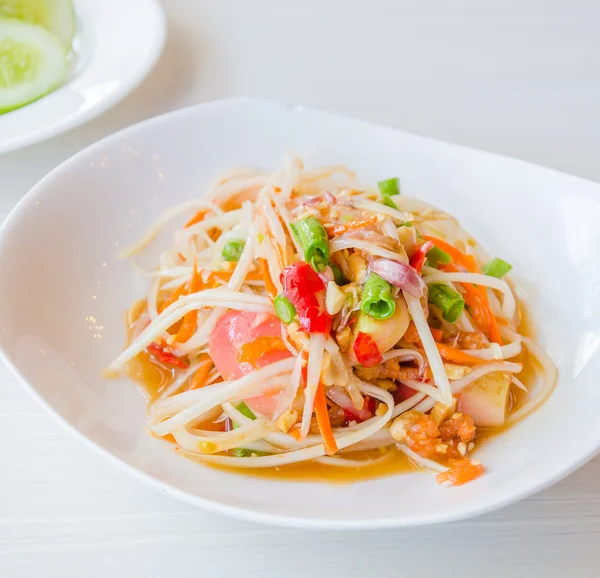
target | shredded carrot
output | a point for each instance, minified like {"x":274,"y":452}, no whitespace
{"x":457,"y":356}
{"x":182,"y":290}
{"x":494,"y":332}
{"x":190,"y":319}
{"x":254,"y":276}
{"x":467,"y":261}
{"x":437,"y":334}
{"x":482,"y":306}
{"x":501,"y":321}
{"x":199,"y":378}
{"x":269,"y":285}
{"x":323,"y":421}
{"x":199,"y":216}
{"x":295,"y":433}
{"x":333,"y":230}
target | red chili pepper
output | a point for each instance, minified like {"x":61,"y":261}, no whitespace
{"x":366,"y":351}
{"x":370,"y":403}
{"x":301,"y":284}
{"x":418,"y":258}
{"x":165,"y":355}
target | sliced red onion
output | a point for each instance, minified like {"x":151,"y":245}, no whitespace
{"x":399,"y":274}
{"x":326,"y":197}
{"x":329,"y":198}
{"x":326,"y":275}
{"x":426,"y":247}
{"x":313,"y":200}
{"x":340,"y":396}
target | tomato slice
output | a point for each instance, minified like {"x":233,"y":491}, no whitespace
{"x":229,"y":342}
{"x":403,"y":392}
{"x":366,"y":351}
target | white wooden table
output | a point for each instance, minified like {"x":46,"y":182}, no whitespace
{"x":519,"y":78}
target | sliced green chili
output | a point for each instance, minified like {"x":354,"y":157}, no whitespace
{"x":449,"y":301}
{"x":377,"y":300}
{"x":436,"y":256}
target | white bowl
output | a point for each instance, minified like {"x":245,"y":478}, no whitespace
{"x":63,"y":296}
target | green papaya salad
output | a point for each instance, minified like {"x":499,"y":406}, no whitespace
{"x":301,"y":316}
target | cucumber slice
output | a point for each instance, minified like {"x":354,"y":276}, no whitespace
{"x":32,"y":63}
{"x":57,"y":16}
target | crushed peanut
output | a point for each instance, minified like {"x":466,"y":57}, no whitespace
{"x":287,"y":420}
{"x":357,"y":268}
{"x":343,"y":338}
{"x":334,"y":298}
{"x":441,"y":412}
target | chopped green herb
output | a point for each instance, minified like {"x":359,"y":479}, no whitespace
{"x":388,"y":189}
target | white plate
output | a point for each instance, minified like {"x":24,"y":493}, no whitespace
{"x":116,"y":44}
{"x":63,"y":296}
